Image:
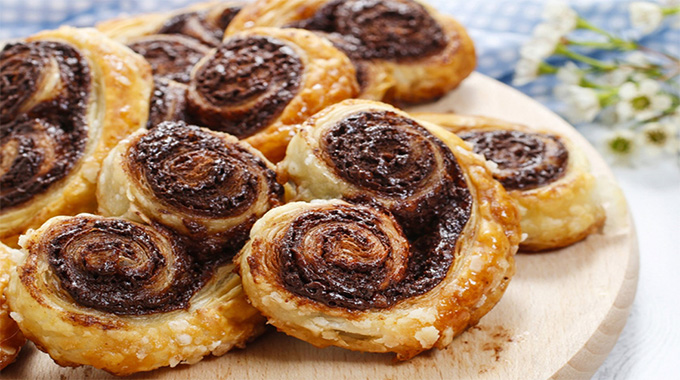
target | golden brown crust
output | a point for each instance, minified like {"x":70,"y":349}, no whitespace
{"x":122,"y":338}
{"x":432,"y":77}
{"x":118,"y":104}
{"x":326,"y":77}
{"x":11,"y":338}
{"x":557,"y":214}
{"x":413,"y":80}
{"x":409,"y":321}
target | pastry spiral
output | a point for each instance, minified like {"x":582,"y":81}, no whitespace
{"x":205,"y":185}
{"x":68,"y":96}
{"x":260,"y":83}
{"x":124,"y":297}
{"x":204,"y":23}
{"x":406,"y":242}
{"x":545,"y":172}
{"x":11,"y":338}
{"x":423,"y":53}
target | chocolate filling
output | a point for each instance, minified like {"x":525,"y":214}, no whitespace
{"x":403,"y":169}
{"x":40,"y":143}
{"x":386,"y":29}
{"x":194,"y":170}
{"x":525,"y":160}
{"x":170,"y":57}
{"x":200,"y":26}
{"x":115,"y":266}
{"x":245,"y":85}
{"x":315,"y":267}
{"x":394,"y":158}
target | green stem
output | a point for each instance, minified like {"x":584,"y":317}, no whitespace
{"x":562,"y":50}
{"x":546,"y":68}
{"x":599,"y":45}
{"x":670,"y":11}
{"x":581,"y":23}
{"x":588,"y":84}
{"x":608,"y":98}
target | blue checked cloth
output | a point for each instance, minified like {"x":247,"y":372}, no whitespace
{"x":498,"y":27}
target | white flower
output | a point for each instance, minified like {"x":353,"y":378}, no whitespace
{"x":559,"y":21}
{"x":645,"y":16}
{"x":616,"y":77}
{"x":547,"y":31}
{"x":622,"y":146}
{"x":642,"y":101}
{"x":660,"y":137}
{"x":570,"y":73}
{"x":540,"y":47}
{"x":583,"y":103}
{"x":637,"y":58}
{"x":525,"y":71}
{"x":560,"y":16}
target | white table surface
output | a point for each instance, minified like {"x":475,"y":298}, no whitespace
{"x":649,"y":346}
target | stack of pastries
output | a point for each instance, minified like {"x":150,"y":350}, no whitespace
{"x":172,"y":182}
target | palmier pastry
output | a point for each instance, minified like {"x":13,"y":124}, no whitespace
{"x":68,"y":97}
{"x":11,"y":338}
{"x":204,"y":22}
{"x":202,"y":184}
{"x":406,"y":242}
{"x":425,"y":53}
{"x":124,"y":297}
{"x":545,"y":172}
{"x":260,"y":83}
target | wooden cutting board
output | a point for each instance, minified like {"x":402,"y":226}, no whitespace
{"x":559,"y":318}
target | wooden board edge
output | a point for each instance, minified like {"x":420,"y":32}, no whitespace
{"x":588,"y":360}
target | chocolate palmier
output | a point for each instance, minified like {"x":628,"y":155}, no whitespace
{"x":206,"y":186}
{"x":68,"y":97}
{"x":132,"y":294}
{"x":545,"y":172}
{"x":399,"y":238}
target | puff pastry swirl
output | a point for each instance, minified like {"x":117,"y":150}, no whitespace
{"x":406,"y":242}
{"x":260,"y":83}
{"x":545,"y":172}
{"x":124,"y":297}
{"x":422,"y":54}
{"x":202,"y":184}
{"x":69,"y":96}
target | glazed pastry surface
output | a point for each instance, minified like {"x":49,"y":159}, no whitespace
{"x":72,"y":94}
{"x":11,"y":338}
{"x":416,"y":51}
{"x":545,"y":172}
{"x":399,"y":238}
